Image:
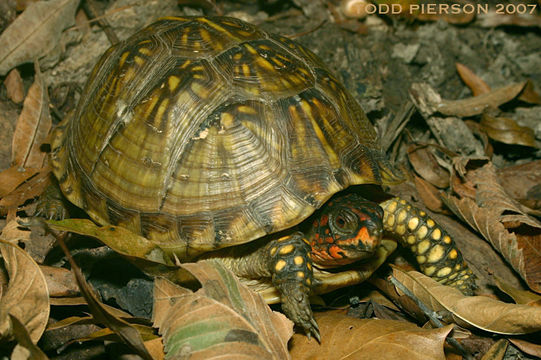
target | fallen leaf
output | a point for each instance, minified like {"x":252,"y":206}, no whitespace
{"x":31,"y":188}
{"x":425,"y":164}
{"x":507,"y":131}
{"x":32,"y":126}
{"x":344,"y":337}
{"x":104,"y":315}
{"x":476,"y":105}
{"x":60,"y":281}
{"x":519,"y":296}
{"x":502,"y":222}
{"x":14,"y":86}
{"x":14,"y":176}
{"x":529,"y":94}
{"x":496,"y":351}
{"x":26,"y":347}
{"x":35,"y":32}
{"x":520,"y":182}
{"x":223,"y":318}
{"x":27,"y":297}
{"x":478,"y":311}
{"x":527,"y":347}
{"x":429,"y":194}
{"x":474,"y":82}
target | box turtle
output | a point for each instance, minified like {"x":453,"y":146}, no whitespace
{"x":213,"y":138}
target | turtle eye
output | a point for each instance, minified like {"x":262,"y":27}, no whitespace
{"x":344,"y":222}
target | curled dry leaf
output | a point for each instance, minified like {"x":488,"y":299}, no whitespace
{"x":425,"y":164}
{"x":478,"y":311}
{"x":520,"y":182}
{"x":14,"y":86}
{"x":27,"y":297}
{"x":477,"y":85}
{"x":502,"y":222}
{"x":344,"y":337}
{"x":529,"y":94}
{"x":430,"y":102}
{"x":35,"y":32}
{"x":32,"y":126}
{"x":507,"y":131}
{"x":222,"y":318}
{"x":429,"y":194}
{"x":519,"y":296}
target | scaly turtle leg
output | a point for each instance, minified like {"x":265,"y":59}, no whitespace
{"x":287,"y":261}
{"x":435,"y":251}
{"x":51,"y":204}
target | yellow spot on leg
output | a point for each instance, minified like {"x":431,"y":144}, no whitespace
{"x":413,"y":223}
{"x":421,"y":233}
{"x":453,"y":254}
{"x":273,"y":251}
{"x":401,"y":229}
{"x":429,"y":270}
{"x":401,"y":216}
{"x":430,"y":223}
{"x":392,"y":207}
{"x":436,"y":254}
{"x":421,"y":259}
{"x":286,"y":249}
{"x":423,"y":247}
{"x":444,"y":272}
{"x":390,"y":220}
{"x":436,"y":234}
{"x":280,"y":265}
{"x":300,"y":274}
{"x":298,"y":260}
{"x":411,"y":240}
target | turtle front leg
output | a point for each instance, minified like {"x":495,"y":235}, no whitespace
{"x":435,"y":251}
{"x":287,"y":261}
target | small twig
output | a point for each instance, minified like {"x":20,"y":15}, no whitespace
{"x":294,"y":36}
{"x":432,"y":316}
{"x":93,"y":12}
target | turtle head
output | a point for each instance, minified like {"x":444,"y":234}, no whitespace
{"x":346,"y":229}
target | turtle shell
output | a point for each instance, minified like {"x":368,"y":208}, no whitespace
{"x":207,"y":132}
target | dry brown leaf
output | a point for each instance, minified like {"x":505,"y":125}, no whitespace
{"x":32,"y":126}
{"x":502,"y":222}
{"x":474,"y":82}
{"x":103,"y":313}
{"x":527,"y":347}
{"x":13,"y":177}
{"x":35,"y":32}
{"x":344,"y":337}
{"x":479,"y":311}
{"x":222,"y":318}
{"x":429,"y":194}
{"x":529,"y":94}
{"x":520,"y":182}
{"x":27,"y":297}
{"x":425,"y":164}
{"x":14,"y":86}
{"x":507,"y":131}
{"x":476,"y":105}
{"x":519,"y":296}
{"x":30,"y":189}
{"x":25,"y":348}
{"x":155,"y":348}
{"x":496,"y":351}
{"x":60,"y":281}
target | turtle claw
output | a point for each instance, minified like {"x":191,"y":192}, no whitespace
{"x":314,"y":330}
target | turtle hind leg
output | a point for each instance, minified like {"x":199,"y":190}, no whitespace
{"x":51,"y":204}
{"x":435,"y":251}
{"x":287,"y":261}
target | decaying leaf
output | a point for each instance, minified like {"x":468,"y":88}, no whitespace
{"x":496,"y":351}
{"x":31,"y":188}
{"x":478,"y":311}
{"x":27,"y":297}
{"x":14,"y":86}
{"x":344,"y":337}
{"x":222,"y":318}
{"x":519,"y":296}
{"x":507,"y":131}
{"x":13,"y":177}
{"x":425,"y":164}
{"x":104,"y":315}
{"x":32,"y":126}
{"x":26,"y":347}
{"x":35,"y":32}
{"x":429,"y":194}
{"x":474,"y":82}
{"x":520,"y":181}
{"x":502,"y":222}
